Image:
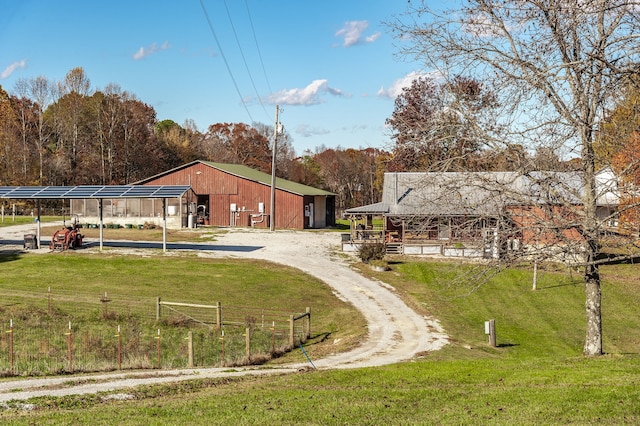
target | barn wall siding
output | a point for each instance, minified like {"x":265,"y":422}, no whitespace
{"x":225,"y":189}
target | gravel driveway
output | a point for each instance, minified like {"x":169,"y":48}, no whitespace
{"x":395,"y":332}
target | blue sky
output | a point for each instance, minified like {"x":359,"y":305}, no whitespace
{"x":330,"y":65}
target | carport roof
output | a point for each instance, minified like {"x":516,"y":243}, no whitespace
{"x":92,"y":191}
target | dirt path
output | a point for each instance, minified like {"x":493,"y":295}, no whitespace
{"x":395,"y":332}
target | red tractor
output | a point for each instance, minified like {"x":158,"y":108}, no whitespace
{"x":66,"y":238}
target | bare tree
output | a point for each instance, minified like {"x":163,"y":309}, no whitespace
{"x":555,"y":66}
{"x":42,"y":92}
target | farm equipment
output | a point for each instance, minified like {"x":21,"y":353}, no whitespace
{"x":66,"y":238}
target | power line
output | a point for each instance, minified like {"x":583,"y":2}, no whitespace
{"x":253,"y":31}
{"x":235,"y":84}
{"x":244,"y":59}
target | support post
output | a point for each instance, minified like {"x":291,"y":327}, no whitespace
{"x":222,"y":354}
{"x":272,"y":207}
{"x":70,"y":349}
{"x":190,"y":348}
{"x":38,"y":228}
{"x":164,"y":225}
{"x":100,"y":222}
{"x":119,"y":349}
{"x":490,"y":330}
{"x":158,"y":338}
{"x":291,"y":331}
{"x":11,"y":352}
{"x":308,"y":323}
{"x":219,"y":315}
{"x":158,"y":308}
{"x":247,"y":342}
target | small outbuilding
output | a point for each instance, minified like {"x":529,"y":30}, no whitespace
{"x":237,"y":195}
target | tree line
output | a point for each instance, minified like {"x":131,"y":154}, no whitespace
{"x":65,"y":133}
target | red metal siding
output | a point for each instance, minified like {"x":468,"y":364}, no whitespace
{"x":225,"y":189}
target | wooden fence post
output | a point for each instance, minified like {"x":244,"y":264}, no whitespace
{"x":490,"y":329}
{"x":158,"y":309}
{"x":308,"y":322}
{"x":218,"y":315}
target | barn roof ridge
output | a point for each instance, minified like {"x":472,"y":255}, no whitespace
{"x":247,"y":172}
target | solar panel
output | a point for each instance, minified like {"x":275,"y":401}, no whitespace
{"x":93,"y":191}
{"x":85,"y":191}
{"x":141,"y":190}
{"x":111,"y":192}
{"x":171,"y":191}
{"x":24,"y":192}
{"x":54,"y":191}
{"x":6,"y":189}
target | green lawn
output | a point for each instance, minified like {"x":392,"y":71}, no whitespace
{"x":536,"y":375}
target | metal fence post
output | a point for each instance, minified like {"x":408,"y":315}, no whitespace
{"x":291,"y":330}
{"x":70,"y":349}
{"x":219,"y":314}
{"x":190,"y":348}
{"x":247,"y":342}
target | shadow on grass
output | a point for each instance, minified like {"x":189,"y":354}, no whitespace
{"x":9,"y":255}
{"x":572,"y":284}
{"x":616,"y":259}
{"x":173,"y":246}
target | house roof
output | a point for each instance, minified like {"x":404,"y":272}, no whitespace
{"x":248,"y":173}
{"x":480,"y":193}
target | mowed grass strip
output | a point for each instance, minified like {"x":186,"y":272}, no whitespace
{"x":536,"y":375}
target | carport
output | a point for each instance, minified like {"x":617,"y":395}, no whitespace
{"x":98,"y":192}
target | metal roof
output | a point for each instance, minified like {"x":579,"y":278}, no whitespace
{"x":248,"y":173}
{"x":92,"y":191}
{"x":482,"y":193}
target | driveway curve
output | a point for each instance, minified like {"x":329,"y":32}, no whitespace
{"x":395,"y":332}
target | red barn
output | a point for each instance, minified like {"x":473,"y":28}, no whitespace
{"x":236,"y":195}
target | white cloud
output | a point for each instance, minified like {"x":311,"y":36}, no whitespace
{"x":12,"y":67}
{"x":396,"y":87}
{"x":143,"y":52}
{"x":352,"y":32}
{"x":307,"y":131}
{"x":310,"y":95}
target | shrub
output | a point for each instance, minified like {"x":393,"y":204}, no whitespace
{"x":372,"y":251}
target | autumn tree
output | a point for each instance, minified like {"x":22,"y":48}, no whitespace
{"x":434,"y":123}
{"x":555,"y":67}
{"x":620,"y":122}
{"x":350,"y":173}
{"x":179,"y":144}
{"x":237,"y":143}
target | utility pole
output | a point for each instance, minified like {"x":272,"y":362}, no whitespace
{"x":272,"y":216}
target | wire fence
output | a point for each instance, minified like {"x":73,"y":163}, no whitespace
{"x":66,"y":332}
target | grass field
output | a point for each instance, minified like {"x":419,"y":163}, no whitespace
{"x":536,"y":375}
